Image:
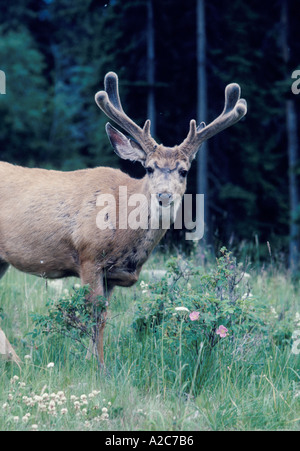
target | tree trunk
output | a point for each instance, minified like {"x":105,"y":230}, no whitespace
{"x":151,"y":67}
{"x":291,"y":126}
{"x":292,"y":149}
{"x":202,"y":176}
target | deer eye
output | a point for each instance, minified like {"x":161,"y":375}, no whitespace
{"x":183,"y":172}
{"x":149,"y":170}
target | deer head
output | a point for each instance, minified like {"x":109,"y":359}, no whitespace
{"x":166,"y":167}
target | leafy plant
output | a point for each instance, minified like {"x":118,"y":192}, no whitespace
{"x":71,"y":316}
{"x":190,"y":308}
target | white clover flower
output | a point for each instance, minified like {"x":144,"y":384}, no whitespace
{"x":25,"y":418}
{"x":84,"y":399}
{"x":52,"y":405}
{"x":273,"y":311}
{"x":247,"y":295}
{"x":34,"y":427}
{"x":64,"y":411}
{"x":143,"y":284}
{"x":50,"y":365}
{"x":27,"y":357}
{"x":60,"y":397}
{"x":52,"y":409}
{"x":16,"y":419}
{"x":28,"y":401}
{"x":104,"y":410}
{"x":42,"y":407}
{"x":144,"y":287}
{"x":77,"y":286}
{"x":77,"y":405}
{"x":5,"y":405}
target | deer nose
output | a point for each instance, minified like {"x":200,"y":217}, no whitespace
{"x":164,"y":199}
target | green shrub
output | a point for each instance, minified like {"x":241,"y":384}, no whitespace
{"x":198,"y":320}
{"x":193,"y":304}
{"x":71,"y":317}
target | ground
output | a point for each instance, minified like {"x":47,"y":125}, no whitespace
{"x":254,"y":387}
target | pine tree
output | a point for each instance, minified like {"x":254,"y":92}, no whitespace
{"x":24,"y":108}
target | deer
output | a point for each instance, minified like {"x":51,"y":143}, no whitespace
{"x":48,"y":218}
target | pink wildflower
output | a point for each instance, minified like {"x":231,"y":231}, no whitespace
{"x":194,"y":316}
{"x":222,"y":331}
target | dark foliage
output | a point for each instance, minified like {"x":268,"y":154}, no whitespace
{"x":55,"y":55}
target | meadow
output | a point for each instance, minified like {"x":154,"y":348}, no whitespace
{"x":190,"y":347}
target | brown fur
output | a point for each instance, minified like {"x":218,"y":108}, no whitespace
{"x":48,"y":227}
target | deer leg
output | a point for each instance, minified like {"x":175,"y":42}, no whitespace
{"x":91,"y":276}
{"x":6,"y":348}
{"x":102,"y":322}
{"x":3,"y":267}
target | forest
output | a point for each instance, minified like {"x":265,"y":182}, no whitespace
{"x":206,"y":336}
{"x":173,"y":59}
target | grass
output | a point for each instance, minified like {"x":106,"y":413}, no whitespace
{"x":255,"y":386}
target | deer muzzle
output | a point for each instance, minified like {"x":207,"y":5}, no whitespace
{"x":164,"y":199}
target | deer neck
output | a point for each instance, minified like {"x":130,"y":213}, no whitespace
{"x":155,"y":217}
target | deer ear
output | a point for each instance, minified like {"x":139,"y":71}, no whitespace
{"x":124,"y":147}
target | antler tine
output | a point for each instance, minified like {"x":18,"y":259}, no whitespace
{"x":109,"y":102}
{"x":111,"y":86}
{"x":234,"y":109}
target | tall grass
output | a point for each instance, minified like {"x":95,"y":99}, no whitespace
{"x":254,"y":384}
